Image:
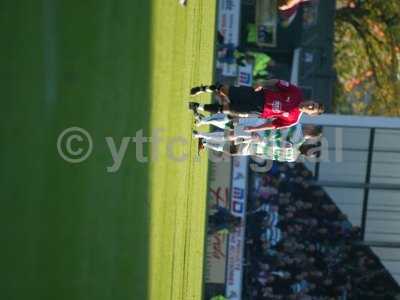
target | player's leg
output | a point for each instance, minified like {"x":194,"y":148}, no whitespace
{"x":244,"y":101}
{"x":219,"y":147}
{"x":218,"y":120}
{"x":235,"y":101}
{"x":243,"y":149}
{"x":223,"y":96}
{"x":215,"y":136}
{"x":198,"y":90}
{"x":211,"y":108}
{"x":227,"y":148}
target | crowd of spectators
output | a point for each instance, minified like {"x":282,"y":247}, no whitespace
{"x":300,"y":246}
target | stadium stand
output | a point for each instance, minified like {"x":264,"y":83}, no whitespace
{"x":299,"y":245}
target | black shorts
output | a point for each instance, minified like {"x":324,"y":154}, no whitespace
{"x":245,"y":100}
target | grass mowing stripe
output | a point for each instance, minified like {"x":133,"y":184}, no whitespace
{"x":73,"y":231}
{"x":177,"y":239}
{"x":187,"y":231}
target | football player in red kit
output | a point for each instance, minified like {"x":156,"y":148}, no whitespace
{"x":279,"y":101}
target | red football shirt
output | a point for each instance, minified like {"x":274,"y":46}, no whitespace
{"x":283,"y":105}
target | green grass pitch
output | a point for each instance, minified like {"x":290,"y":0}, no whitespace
{"x":75,"y":231}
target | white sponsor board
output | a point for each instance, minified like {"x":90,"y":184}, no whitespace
{"x":229,"y":27}
{"x":245,"y":75}
{"x":218,"y":194}
{"x":237,"y":238}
